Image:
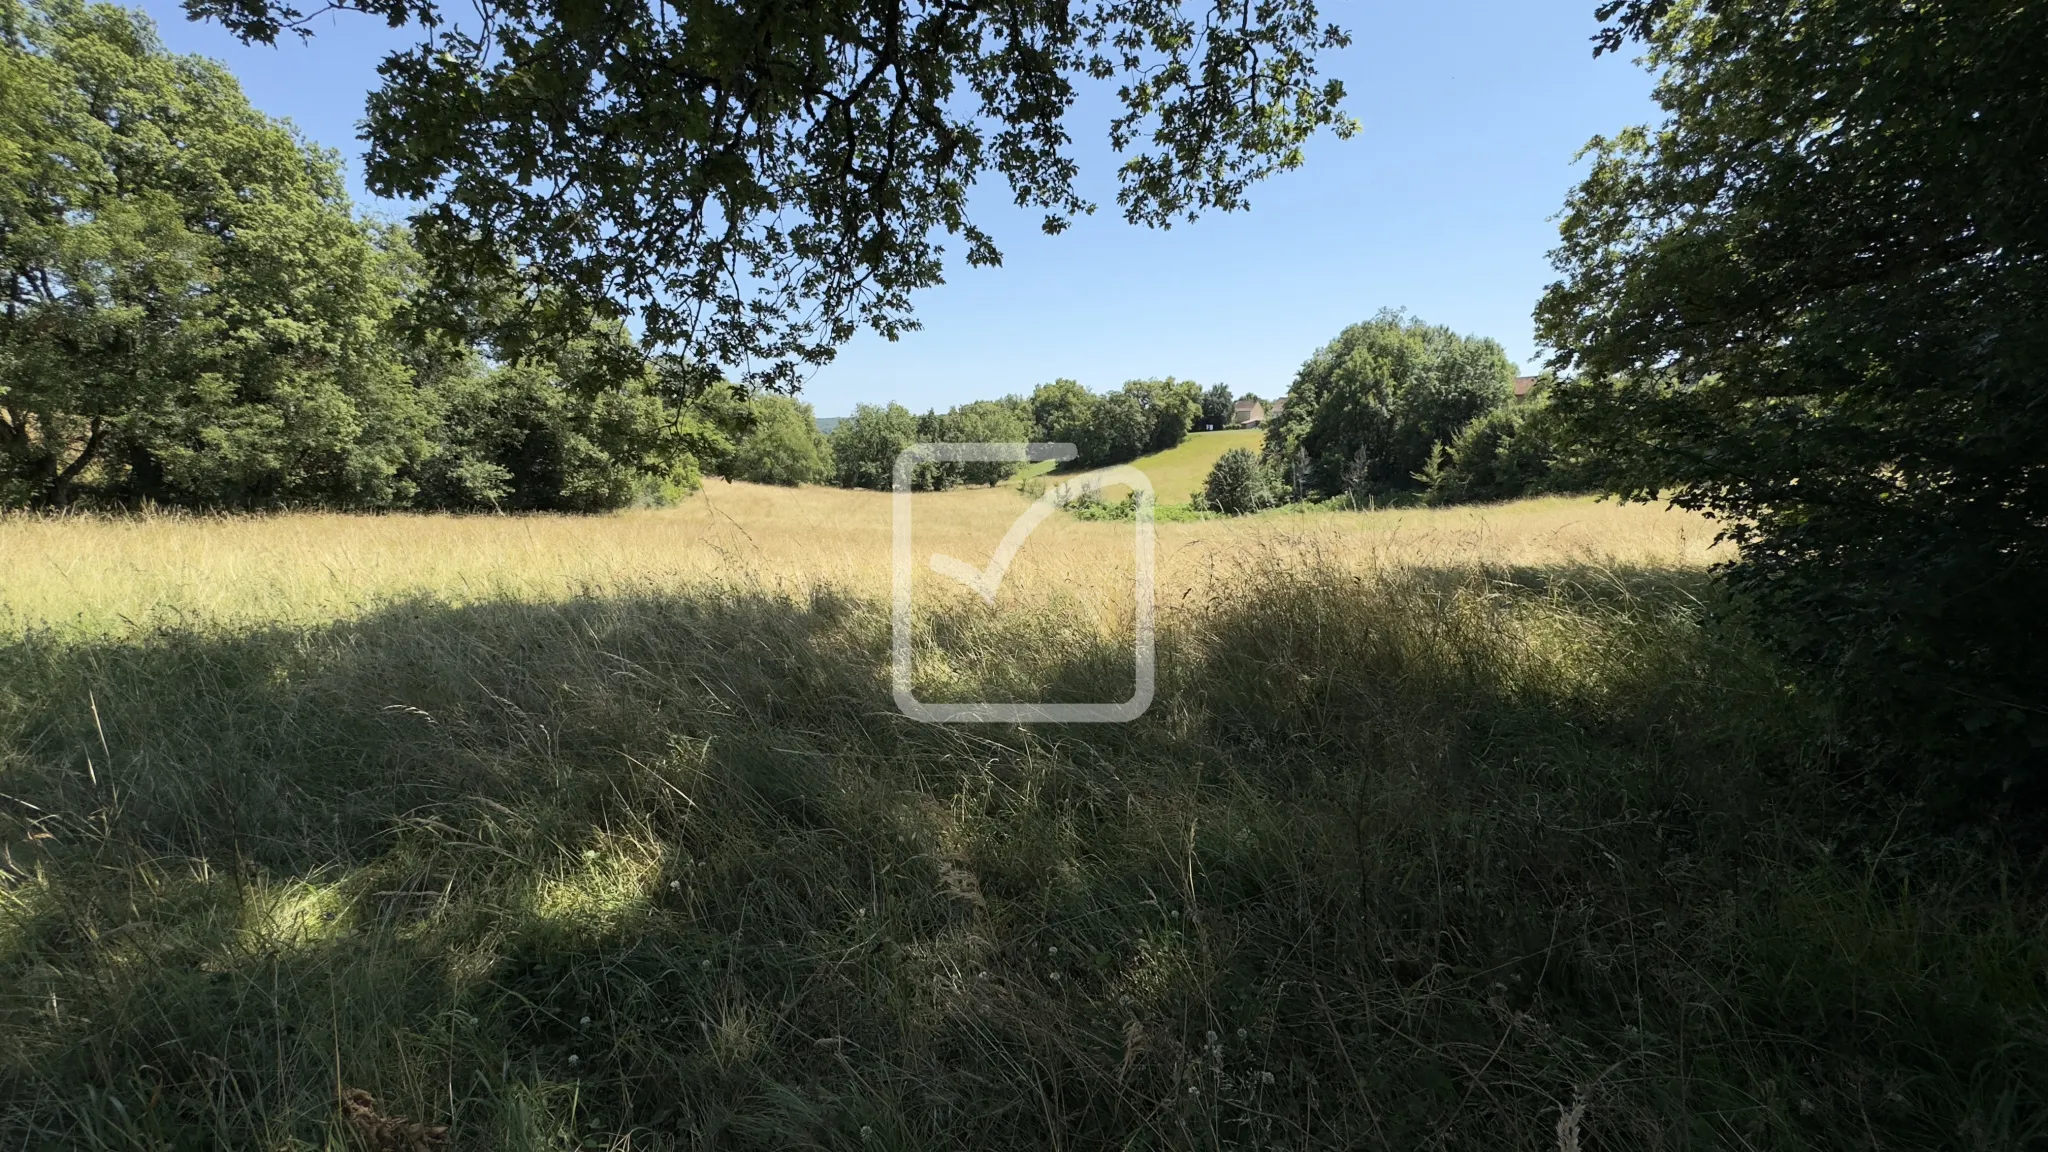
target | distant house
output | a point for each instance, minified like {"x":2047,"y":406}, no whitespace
{"x":1278,"y":406}
{"x":1523,"y":386}
{"x":1247,"y":414}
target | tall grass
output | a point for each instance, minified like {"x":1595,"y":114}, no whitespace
{"x":1423,"y":854}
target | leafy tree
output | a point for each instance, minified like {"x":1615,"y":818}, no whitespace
{"x":935,"y":427}
{"x":757,"y":181}
{"x":1239,"y":483}
{"x":191,"y":314}
{"x":1376,"y":400}
{"x":565,"y":435}
{"x":987,"y":422}
{"x":1810,"y":304}
{"x":1119,"y":428}
{"x":1461,"y":379}
{"x":1060,"y":412}
{"x":1174,"y":406}
{"x":1217,"y":404}
{"x":782,"y":445}
{"x":866,"y":444}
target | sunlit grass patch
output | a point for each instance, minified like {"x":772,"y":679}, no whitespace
{"x":603,"y":891}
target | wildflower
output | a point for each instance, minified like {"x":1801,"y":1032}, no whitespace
{"x":675,"y":885}
{"x":590,"y":853}
{"x":1241,"y":1034}
{"x":867,"y":1132}
{"x":704,"y":964}
{"x":1265,"y":1077}
{"x":574,"y":1059}
{"x":585,"y":1021}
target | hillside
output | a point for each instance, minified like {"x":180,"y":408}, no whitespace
{"x":1178,"y":472}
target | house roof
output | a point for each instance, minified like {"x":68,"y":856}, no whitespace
{"x":1523,"y":384}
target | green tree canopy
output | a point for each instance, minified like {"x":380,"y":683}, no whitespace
{"x":756,"y":181}
{"x":866,"y":444}
{"x":782,"y":446}
{"x":1810,"y":302}
{"x":1119,"y":428}
{"x":566,"y":434}
{"x":986,"y":422}
{"x":1506,"y":454}
{"x":1060,"y":412}
{"x":1378,"y":398}
{"x":1217,"y":403}
{"x":1173,"y":406}
{"x":191,"y":314}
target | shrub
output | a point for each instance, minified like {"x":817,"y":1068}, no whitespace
{"x":1505,"y":454}
{"x":1238,"y":483}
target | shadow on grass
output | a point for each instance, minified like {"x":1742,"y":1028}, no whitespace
{"x":1397,"y":860}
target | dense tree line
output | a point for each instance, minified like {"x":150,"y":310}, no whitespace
{"x":194,"y":316}
{"x":1143,"y":416}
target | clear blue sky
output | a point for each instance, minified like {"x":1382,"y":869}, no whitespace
{"x":1471,"y":111}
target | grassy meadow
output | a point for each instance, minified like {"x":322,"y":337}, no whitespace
{"x":1463,"y":828}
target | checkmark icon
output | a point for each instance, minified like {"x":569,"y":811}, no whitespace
{"x":988,"y":580}
{"x":985,"y":581}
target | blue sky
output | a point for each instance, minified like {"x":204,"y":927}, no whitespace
{"x":1443,"y":204}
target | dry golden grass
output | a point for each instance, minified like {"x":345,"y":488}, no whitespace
{"x":114,"y":574}
{"x":384,"y":826}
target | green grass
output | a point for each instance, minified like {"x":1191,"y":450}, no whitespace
{"x":1400,"y":860}
{"x":1177,"y":473}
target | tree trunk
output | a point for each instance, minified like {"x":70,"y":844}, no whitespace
{"x":60,"y":488}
